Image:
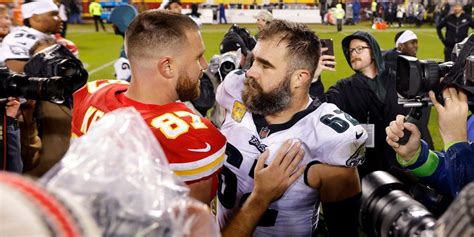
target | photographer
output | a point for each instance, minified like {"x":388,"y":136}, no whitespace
{"x":450,"y":170}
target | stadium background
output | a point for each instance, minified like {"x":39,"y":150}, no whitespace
{"x":98,"y":51}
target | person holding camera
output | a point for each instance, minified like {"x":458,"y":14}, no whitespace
{"x":450,"y":170}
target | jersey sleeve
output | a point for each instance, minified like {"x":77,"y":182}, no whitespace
{"x":230,"y":89}
{"x":341,"y":138}
{"x":198,"y":153}
{"x":77,"y":114}
{"x":17,"y":44}
{"x":82,"y":101}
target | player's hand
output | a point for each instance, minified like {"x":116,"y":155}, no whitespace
{"x":272,"y":181}
{"x":12,"y":106}
{"x":452,"y":116}
{"x":325,"y":63}
{"x":395,"y":132}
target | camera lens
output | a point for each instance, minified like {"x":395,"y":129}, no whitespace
{"x":387,"y":210}
{"x":227,"y":67}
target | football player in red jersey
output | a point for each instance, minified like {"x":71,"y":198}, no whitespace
{"x":166,"y":54}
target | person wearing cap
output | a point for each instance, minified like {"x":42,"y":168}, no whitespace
{"x":406,"y":43}
{"x":95,"y":9}
{"x":457,"y":26}
{"x":40,"y":20}
{"x":121,"y":17}
{"x":263,"y":17}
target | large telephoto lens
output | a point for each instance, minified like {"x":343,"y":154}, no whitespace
{"x":387,"y":210}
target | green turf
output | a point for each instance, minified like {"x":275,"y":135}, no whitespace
{"x":98,"y":50}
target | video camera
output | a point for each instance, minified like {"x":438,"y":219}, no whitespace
{"x":221,"y":65}
{"x":237,"y":43}
{"x":416,"y":77}
{"x":388,"y":211}
{"x":52,"y":74}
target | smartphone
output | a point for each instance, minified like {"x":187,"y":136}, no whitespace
{"x":327,"y":43}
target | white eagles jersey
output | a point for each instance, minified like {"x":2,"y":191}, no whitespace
{"x":327,"y":135}
{"x":16,"y":45}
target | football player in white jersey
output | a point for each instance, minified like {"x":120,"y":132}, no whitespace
{"x":269,"y":104}
{"x":41,"y":19}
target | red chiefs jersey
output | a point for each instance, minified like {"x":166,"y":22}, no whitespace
{"x":194,"y":148}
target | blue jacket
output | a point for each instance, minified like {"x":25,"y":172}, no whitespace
{"x":447,"y":171}
{"x":11,"y":138}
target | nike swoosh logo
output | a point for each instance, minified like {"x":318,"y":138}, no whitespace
{"x":358,"y":135}
{"x":205,"y":149}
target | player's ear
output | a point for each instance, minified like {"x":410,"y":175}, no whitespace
{"x":166,"y":67}
{"x":302,"y":78}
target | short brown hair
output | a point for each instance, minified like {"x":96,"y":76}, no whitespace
{"x":302,"y":44}
{"x":155,"y":31}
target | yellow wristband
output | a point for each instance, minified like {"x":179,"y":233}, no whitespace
{"x":412,"y":161}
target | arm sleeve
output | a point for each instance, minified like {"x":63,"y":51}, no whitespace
{"x":332,"y":213}
{"x":448,"y":171}
{"x":229,"y":90}
{"x":336,"y":95}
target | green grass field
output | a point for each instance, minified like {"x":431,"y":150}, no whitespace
{"x":99,"y":50}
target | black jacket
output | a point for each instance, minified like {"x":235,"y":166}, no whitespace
{"x":456,"y":29}
{"x":374,"y":103}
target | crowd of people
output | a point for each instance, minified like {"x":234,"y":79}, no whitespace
{"x":285,"y":156}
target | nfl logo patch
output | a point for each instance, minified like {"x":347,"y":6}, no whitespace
{"x":238,"y":111}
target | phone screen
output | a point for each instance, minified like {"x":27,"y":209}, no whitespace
{"x":327,"y":43}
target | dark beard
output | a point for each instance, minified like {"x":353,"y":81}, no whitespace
{"x":186,"y":89}
{"x":266,"y":103}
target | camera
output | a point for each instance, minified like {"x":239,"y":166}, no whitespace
{"x":416,"y":77}
{"x":228,"y":62}
{"x":52,"y":74}
{"x":388,"y":210}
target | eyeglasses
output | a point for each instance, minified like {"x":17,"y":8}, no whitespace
{"x":358,"y":50}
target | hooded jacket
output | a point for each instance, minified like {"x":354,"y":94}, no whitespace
{"x":370,"y":101}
